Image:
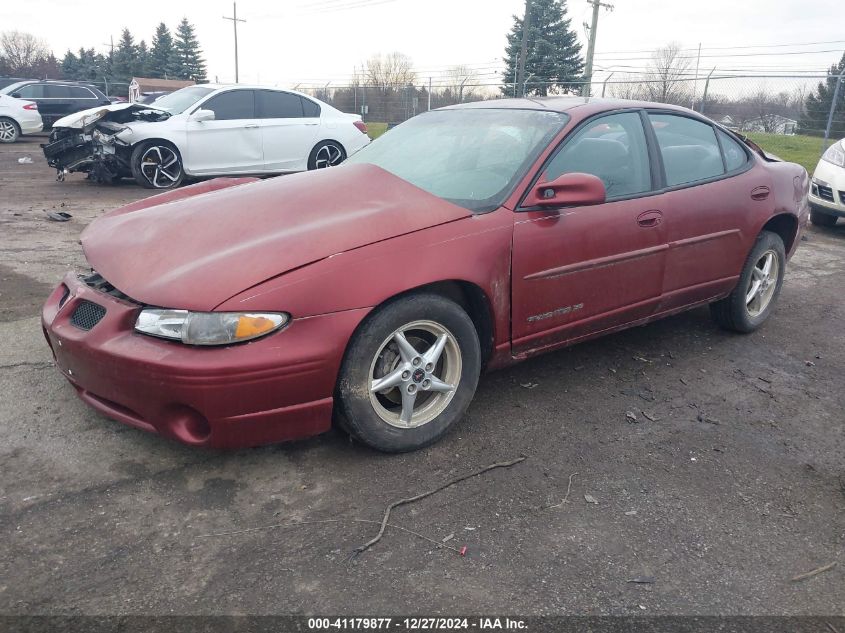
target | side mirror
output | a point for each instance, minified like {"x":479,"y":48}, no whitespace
{"x":203,"y":115}
{"x":16,"y":95}
{"x":568,"y":190}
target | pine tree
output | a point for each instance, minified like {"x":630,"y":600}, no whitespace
{"x":125,"y":58}
{"x":817,"y":107}
{"x":188,"y":53}
{"x":553,"y":60}
{"x":163,"y":62}
{"x":70,"y":66}
{"x":142,"y":62}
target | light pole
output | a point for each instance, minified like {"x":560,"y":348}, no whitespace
{"x":235,"y":21}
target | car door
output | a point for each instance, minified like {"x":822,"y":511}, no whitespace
{"x":583,"y":270}
{"x":288,"y":132}
{"x":35,"y":92}
{"x":708,"y":189}
{"x":82,"y":98}
{"x":231,"y":142}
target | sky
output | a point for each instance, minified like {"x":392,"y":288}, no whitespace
{"x":315,"y":42}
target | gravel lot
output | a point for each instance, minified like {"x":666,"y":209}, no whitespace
{"x":730,"y":483}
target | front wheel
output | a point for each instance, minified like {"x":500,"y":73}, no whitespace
{"x":326,"y":154}
{"x":753,"y":299}
{"x":9,"y":130}
{"x":157,"y":165}
{"x":409,"y":373}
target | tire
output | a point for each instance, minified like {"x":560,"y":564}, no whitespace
{"x":326,"y":154}
{"x":819,"y":218}
{"x":378,"y":418}
{"x":152,"y":167}
{"x":736,"y":312}
{"x":10,"y":131}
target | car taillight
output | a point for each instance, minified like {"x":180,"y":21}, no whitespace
{"x":361,"y":126}
{"x":31,"y":106}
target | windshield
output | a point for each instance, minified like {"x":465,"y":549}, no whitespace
{"x":471,"y":157}
{"x":179,"y":101}
{"x":12,"y":87}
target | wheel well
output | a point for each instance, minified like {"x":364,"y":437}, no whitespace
{"x":472,"y":299}
{"x":12,"y":121}
{"x":786,"y":226}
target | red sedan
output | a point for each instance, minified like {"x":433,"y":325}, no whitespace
{"x":238,"y":312}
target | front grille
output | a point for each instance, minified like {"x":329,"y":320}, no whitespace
{"x":825,"y":193}
{"x":95,"y":280}
{"x":87,"y":315}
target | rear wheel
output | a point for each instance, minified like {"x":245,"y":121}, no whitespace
{"x":326,"y":154}
{"x":9,"y":130}
{"x":157,"y":165}
{"x":753,"y":299}
{"x":820,"y":218}
{"x":409,"y":374}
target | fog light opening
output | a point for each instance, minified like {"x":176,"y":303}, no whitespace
{"x":188,"y":425}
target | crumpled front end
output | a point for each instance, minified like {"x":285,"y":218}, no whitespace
{"x":96,"y":142}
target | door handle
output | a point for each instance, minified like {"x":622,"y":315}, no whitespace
{"x":251,"y":126}
{"x":760,"y":193}
{"x":649,"y":219}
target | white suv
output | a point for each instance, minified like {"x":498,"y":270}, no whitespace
{"x":18,"y":117}
{"x":827,"y":191}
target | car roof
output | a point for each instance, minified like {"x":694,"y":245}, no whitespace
{"x":253,"y":87}
{"x":563,"y":104}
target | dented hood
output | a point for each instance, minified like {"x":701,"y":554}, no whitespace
{"x":195,"y":251}
{"x":84,"y":118}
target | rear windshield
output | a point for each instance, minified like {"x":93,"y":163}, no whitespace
{"x":470,"y":157}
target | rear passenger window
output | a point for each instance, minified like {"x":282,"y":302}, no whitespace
{"x":309,"y":108}
{"x":735,"y":156}
{"x":278,"y":105}
{"x":611,"y":147}
{"x":78,"y":92}
{"x":235,"y":104}
{"x":689,"y":149}
{"x":57,"y":92}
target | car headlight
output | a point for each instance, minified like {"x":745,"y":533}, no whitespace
{"x":835,"y":154}
{"x":208,"y":328}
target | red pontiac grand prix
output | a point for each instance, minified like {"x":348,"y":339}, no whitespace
{"x":238,"y":312}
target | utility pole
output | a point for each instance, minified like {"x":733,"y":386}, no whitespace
{"x":591,"y":46}
{"x":235,"y":21}
{"x":429,"y":94}
{"x":523,"y":48}
{"x":695,"y":83}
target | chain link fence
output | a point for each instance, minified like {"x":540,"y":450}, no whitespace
{"x":774,"y":104}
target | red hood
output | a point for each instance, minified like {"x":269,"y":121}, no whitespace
{"x":196,"y":251}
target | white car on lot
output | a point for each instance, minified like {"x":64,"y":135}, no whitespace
{"x":827,"y":189}
{"x":18,"y":117}
{"x":205,"y":130}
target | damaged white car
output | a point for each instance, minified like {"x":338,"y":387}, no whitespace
{"x":204,"y":130}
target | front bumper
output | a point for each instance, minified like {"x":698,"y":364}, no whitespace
{"x":270,"y":390}
{"x":827,"y":189}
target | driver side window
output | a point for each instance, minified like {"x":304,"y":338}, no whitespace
{"x":612,"y":148}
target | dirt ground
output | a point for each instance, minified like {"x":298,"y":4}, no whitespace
{"x":730,"y":482}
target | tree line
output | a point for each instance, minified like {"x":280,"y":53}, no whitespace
{"x":176,"y":55}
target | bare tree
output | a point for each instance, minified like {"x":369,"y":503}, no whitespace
{"x":625,"y":87}
{"x":664,"y":81}
{"x":394,"y":70}
{"x":23,"y":54}
{"x":459,"y":83}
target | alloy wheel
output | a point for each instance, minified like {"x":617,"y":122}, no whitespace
{"x":160,"y":166}
{"x":8,"y":132}
{"x":762,"y":283}
{"x":415,"y":374}
{"x":328,"y":155}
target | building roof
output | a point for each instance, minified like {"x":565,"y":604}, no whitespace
{"x":152,"y":84}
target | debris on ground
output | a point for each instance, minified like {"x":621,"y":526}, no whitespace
{"x":632,"y":417}
{"x":25,"y":160}
{"x":529,"y":385}
{"x":814,"y":572}
{"x":649,"y":417}
{"x":643,"y":580}
{"x":566,"y":496}
{"x":59,"y":216}
{"x":591,"y":499}
{"x":708,"y":420}
{"x":363,"y":548}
